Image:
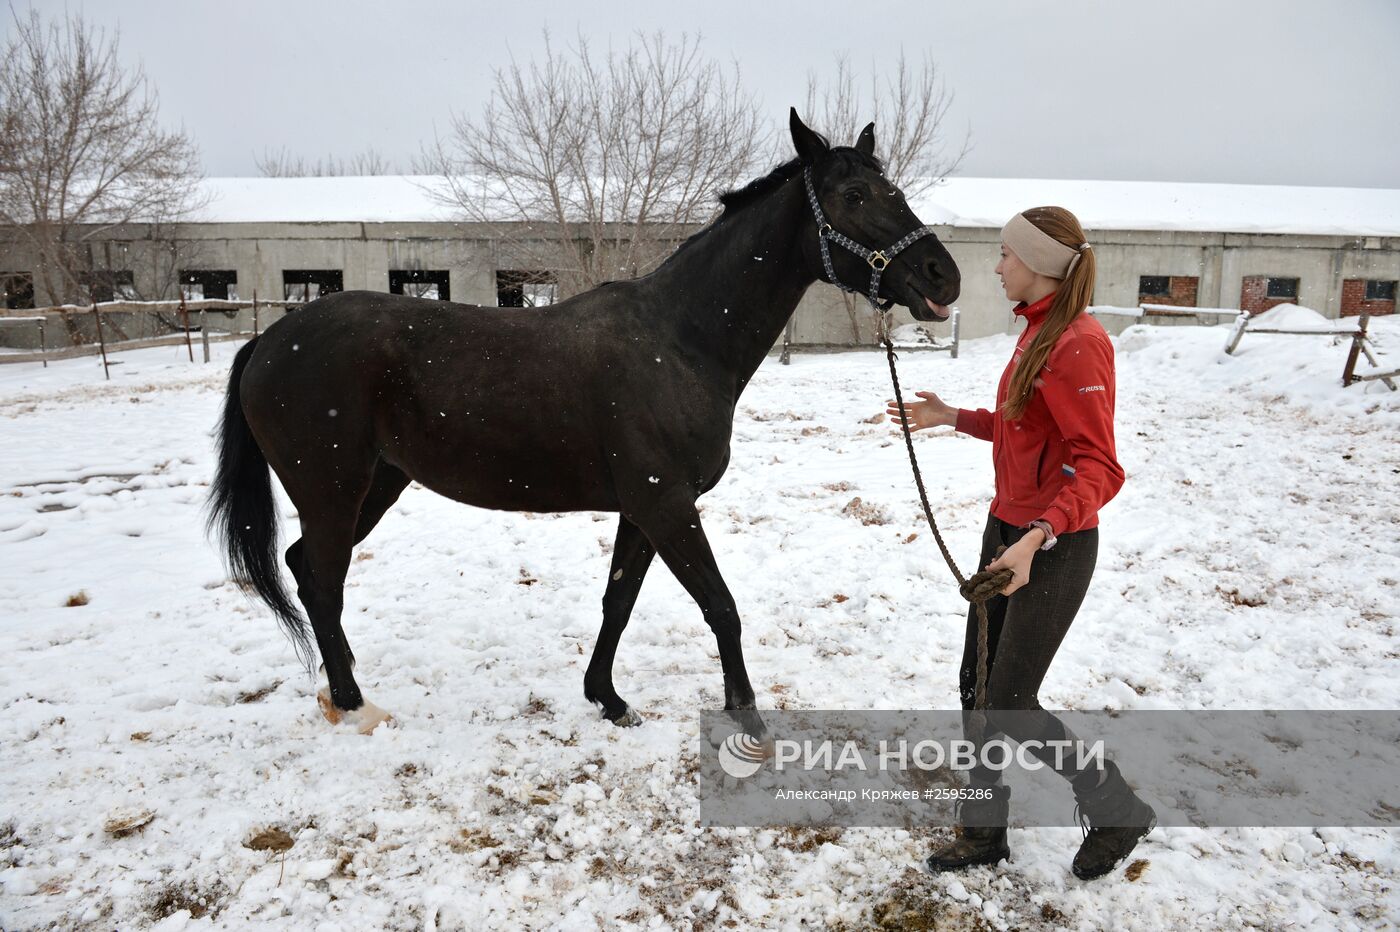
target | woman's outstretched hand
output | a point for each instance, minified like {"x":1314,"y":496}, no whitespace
{"x":931,"y":412}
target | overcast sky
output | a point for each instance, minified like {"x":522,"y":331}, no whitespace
{"x":1242,"y":91}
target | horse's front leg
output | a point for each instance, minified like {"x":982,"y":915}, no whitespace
{"x":632,"y":554}
{"x":675,"y":530}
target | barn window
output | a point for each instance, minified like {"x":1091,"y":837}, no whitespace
{"x":523,"y":288}
{"x":18,"y":290}
{"x":1282,"y":288}
{"x":310,"y":284}
{"x":420,"y":283}
{"x":196,"y":284}
{"x":1380,"y":290}
{"x":1154,"y":285}
{"x":99,"y":285}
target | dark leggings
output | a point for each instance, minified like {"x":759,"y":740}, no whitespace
{"x":1024,"y":631}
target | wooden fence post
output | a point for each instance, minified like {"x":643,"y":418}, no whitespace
{"x":185,"y":315}
{"x":204,"y":332}
{"x":43,"y":344}
{"x":1355,"y":351}
{"x":102,"y":342}
{"x":957,"y":319}
{"x":255,"y":312}
{"x":1237,"y":333}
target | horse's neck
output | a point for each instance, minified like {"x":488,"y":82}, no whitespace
{"x":732,"y":291}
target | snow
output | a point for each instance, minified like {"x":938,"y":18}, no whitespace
{"x":1250,"y":562}
{"x":343,"y":199}
{"x":960,"y":202}
{"x":1294,"y":317}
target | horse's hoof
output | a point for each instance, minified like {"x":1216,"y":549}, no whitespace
{"x":628,"y":719}
{"x":328,"y":709}
{"x":364,"y":719}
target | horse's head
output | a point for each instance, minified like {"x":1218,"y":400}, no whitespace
{"x":862,"y":205}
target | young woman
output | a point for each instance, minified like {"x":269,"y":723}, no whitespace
{"x":1055,"y":462}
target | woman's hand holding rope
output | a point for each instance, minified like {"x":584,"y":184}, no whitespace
{"x":1017,"y":558}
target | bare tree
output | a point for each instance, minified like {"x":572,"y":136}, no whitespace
{"x":84,"y":152}
{"x":909,"y":105}
{"x":283,"y":164}
{"x":593,"y":167}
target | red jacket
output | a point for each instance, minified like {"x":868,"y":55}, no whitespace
{"x":1057,"y":462}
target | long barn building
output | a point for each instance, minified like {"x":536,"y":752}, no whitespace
{"x":1336,"y":250}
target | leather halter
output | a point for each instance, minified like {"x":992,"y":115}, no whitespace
{"x":877,"y":259}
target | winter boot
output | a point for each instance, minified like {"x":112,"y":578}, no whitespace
{"x":981,"y":833}
{"x":1113,"y":818}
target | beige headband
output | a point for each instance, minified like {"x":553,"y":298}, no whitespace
{"x":1041,"y":252}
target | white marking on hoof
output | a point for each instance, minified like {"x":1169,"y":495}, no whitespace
{"x":328,"y":709}
{"x":364,"y":719}
{"x":628,"y":719}
{"x":770,"y":748}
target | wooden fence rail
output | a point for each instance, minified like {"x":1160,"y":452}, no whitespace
{"x":70,"y":313}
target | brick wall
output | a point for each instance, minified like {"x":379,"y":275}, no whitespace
{"x":1354,"y":300}
{"x":1254,"y":295}
{"x":1182,"y":292}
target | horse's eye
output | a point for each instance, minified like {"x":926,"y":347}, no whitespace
{"x":853,"y":198}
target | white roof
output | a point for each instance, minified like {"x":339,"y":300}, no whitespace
{"x":354,"y":199}
{"x":1156,"y":205}
{"x":960,"y":202}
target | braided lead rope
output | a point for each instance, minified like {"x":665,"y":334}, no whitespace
{"x":983,"y":585}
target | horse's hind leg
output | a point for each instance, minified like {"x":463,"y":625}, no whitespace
{"x":386,"y":486}
{"x":388,"y":483}
{"x":632,"y":555}
{"x":331,"y":524}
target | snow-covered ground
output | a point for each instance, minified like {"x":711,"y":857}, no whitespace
{"x":1251,"y":561}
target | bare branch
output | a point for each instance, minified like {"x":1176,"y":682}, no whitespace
{"x":909,"y":106}
{"x":83,"y":150}
{"x":284,"y":164}
{"x":592,"y":166}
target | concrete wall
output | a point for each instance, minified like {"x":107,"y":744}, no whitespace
{"x":365,"y":252}
{"x":1219,"y":261}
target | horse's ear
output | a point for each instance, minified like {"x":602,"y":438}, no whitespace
{"x":865,"y":145}
{"x":810,"y":146}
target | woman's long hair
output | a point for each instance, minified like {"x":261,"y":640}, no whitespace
{"x":1070,"y":301}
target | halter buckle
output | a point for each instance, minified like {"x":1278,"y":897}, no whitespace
{"x":826,"y":231}
{"x":878,"y":261}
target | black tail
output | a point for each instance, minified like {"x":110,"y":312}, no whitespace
{"x":243,"y":515}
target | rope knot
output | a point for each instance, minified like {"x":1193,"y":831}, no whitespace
{"x":982,"y":586}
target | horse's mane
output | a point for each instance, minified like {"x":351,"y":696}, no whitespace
{"x":736,"y":200}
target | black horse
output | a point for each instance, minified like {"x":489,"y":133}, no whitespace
{"x":619,"y":399}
